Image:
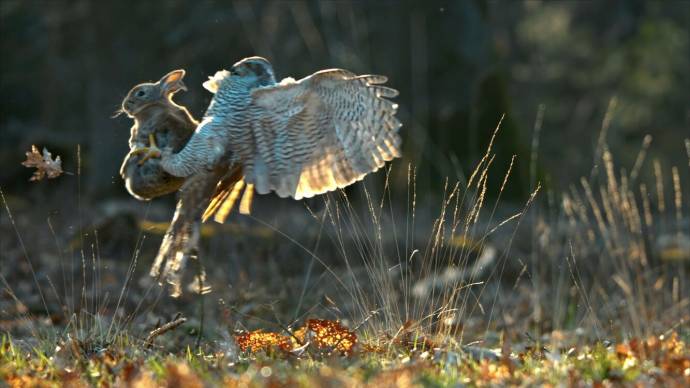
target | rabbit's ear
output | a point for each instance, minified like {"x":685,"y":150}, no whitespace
{"x":172,"y":82}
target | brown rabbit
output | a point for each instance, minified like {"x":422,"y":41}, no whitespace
{"x":158,"y":122}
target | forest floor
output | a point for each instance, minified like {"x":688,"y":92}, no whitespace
{"x":106,"y":331}
{"x":371,"y":287}
{"x":327,"y":354}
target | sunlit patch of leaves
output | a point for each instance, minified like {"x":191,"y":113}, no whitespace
{"x":261,"y":341}
{"x":324,"y":336}
{"x":662,"y":360}
{"x":327,"y":335}
{"x":44,"y":164}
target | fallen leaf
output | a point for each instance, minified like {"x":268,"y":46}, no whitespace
{"x":328,"y":335}
{"x":44,"y":164}
{"x":321,"y":334}
{"x":259,"y":340}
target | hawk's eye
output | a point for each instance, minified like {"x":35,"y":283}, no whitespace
{"x":141,"y":93}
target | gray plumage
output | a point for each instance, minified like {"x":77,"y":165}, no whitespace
{"x":295,"y":138}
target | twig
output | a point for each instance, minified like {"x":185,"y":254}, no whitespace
{"x":162,"y":330}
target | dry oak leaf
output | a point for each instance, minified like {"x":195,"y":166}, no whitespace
{"x":328,"y":335}
{"x":44,"y":164}
{"x":321,"y":334}
{"x":259,"y":340}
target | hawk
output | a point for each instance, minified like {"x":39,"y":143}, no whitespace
{"x":294,"y":138}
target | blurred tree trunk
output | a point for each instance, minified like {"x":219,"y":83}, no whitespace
{"x":469,"y":93}
{"x":100,"y":163}
{"x":53,"y":21}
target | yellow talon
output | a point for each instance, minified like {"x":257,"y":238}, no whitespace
{"x":152,"y":141}
{"x":152,"y":151}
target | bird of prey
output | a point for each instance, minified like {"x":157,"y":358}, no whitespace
{"x":295,"y":138}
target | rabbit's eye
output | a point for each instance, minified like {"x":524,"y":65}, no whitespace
{"x":141,"y":93}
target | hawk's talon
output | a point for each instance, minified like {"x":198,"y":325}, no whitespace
{"x":152,"y":151}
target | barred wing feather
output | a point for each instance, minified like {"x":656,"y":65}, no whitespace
{"x":318,"y":134}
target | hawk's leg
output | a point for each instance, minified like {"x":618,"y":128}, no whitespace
{"x":152,"y":151}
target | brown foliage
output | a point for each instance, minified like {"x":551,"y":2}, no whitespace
{"x":258,"y":340}
{"x":328,"y":335}
{"x":44,"y":164}
{"x":319,"y":334}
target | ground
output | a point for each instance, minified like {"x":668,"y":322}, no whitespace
{"x":362,"y":287}
{"x":264,"y":361}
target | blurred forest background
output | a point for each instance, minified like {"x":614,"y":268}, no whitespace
{"x":604,"y":257}
{"x":459,"y":65}
{"x":560,"y":71}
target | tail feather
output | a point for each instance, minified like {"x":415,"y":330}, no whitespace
{"x":216,"y":203}
{"x":225,"y":196}
{"x":221,"y":214}
{"x":247,"y":198}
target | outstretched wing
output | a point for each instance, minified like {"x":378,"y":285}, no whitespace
{"x":318,"y":134}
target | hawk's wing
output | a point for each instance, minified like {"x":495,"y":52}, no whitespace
{"x":318,"y":134}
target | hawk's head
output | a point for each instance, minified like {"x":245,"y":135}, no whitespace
{"x":256,"y":71}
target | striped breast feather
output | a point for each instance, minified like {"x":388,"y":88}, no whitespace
{"x":320,"y":133}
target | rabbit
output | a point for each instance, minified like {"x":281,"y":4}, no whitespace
{"x":158,"y":122}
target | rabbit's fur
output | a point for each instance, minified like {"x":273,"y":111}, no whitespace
{"x":151,"y":107}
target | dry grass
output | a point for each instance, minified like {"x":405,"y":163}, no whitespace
{"x":561,"y":288}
